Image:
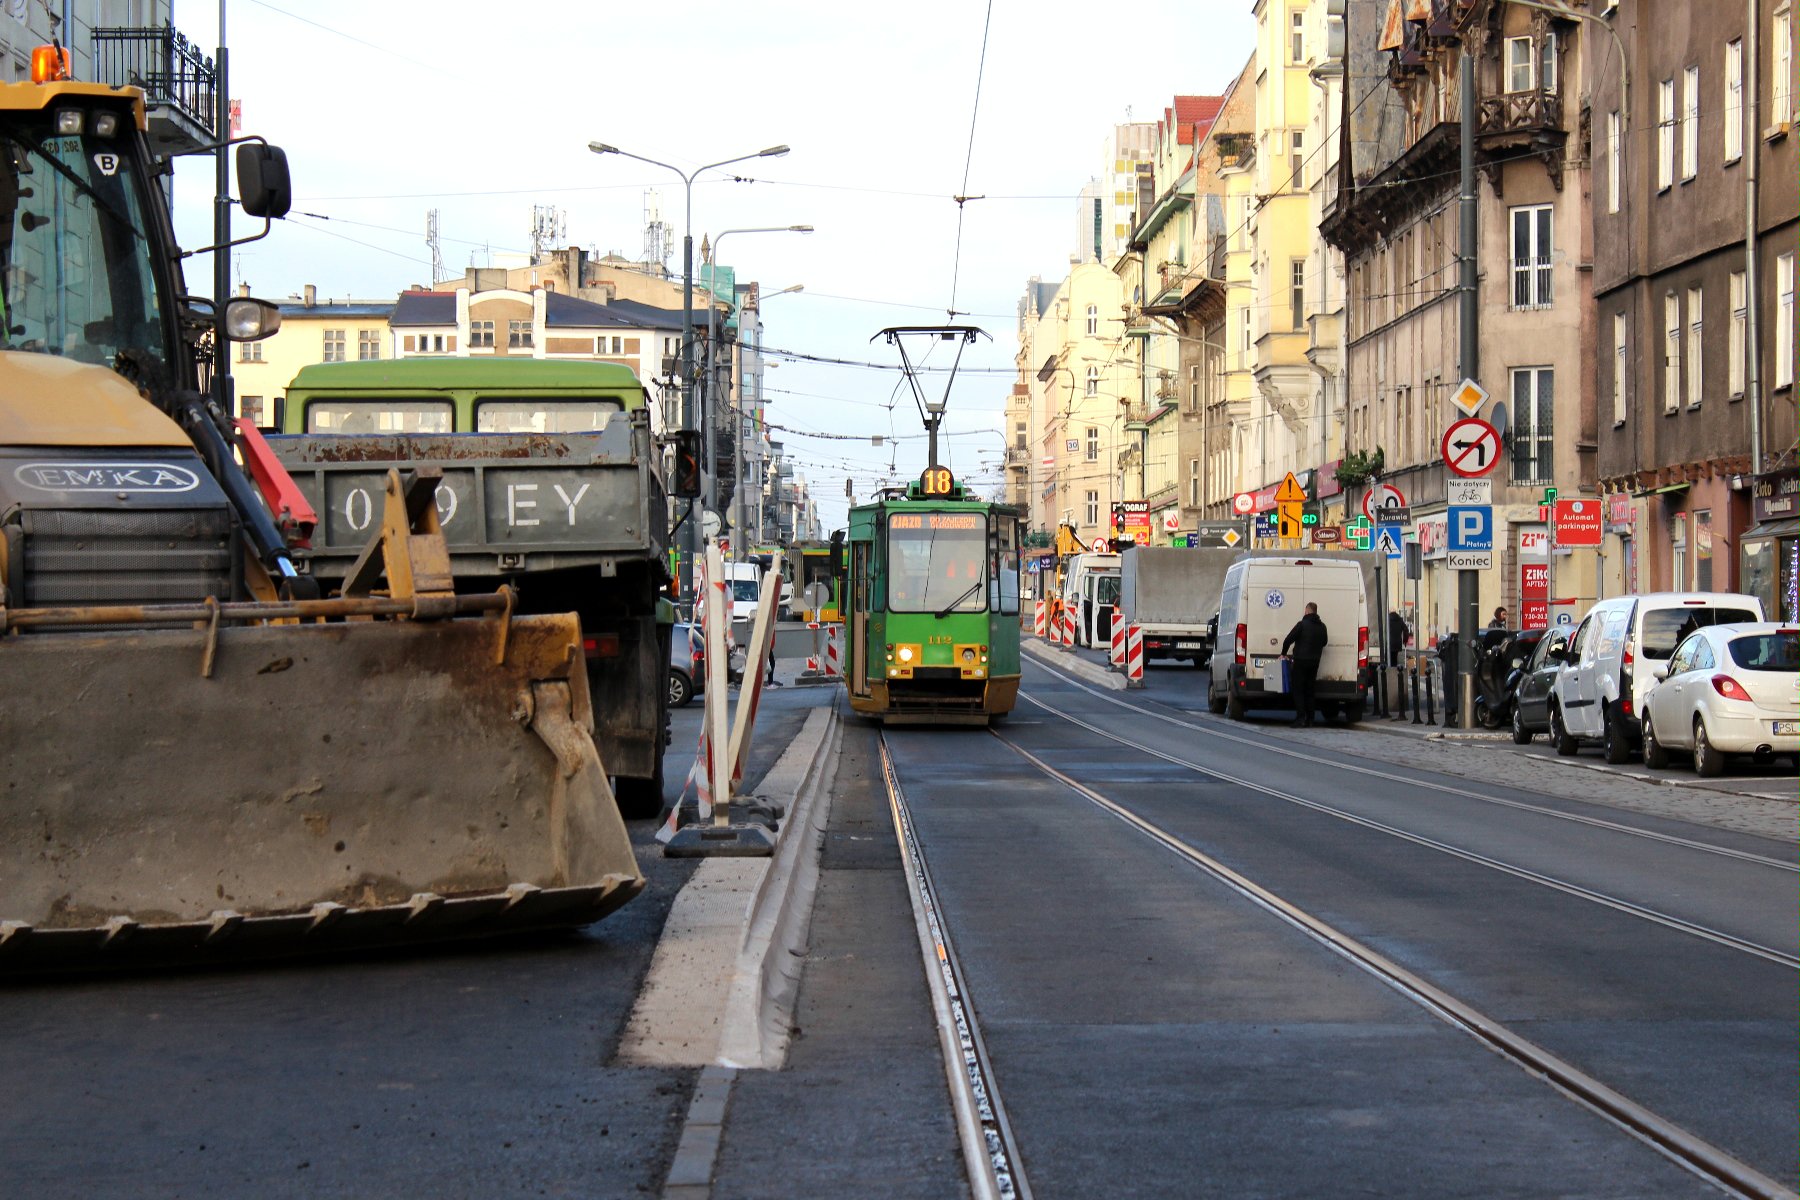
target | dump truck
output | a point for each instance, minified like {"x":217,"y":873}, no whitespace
{"x":201,"y":756}
{"x":1171,"y":594}
{"x":550,"y":486}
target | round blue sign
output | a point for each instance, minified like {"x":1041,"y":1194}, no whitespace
{"x":1274,"y":599}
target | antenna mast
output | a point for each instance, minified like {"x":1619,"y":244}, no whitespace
{"x":437,"y":248}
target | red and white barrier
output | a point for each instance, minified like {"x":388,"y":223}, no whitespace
{"x":1134,"y":657}
{"x":834,"y":668}
{"x":1118,"y":643}
{"x":1069,"y":628}
{"x":1040,"y":619}
{"x":812,"y":660}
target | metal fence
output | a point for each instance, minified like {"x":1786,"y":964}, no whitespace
{"x":169,"y":68}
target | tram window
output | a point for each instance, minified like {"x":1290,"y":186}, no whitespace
{"x":937,"y":562}
{"x":1003,"y":588}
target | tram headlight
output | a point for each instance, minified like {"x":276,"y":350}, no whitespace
{"x":971,"y":660}
{"x":906,"y":654}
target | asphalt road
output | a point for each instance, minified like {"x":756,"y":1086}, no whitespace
{"x":1154,"y":1034}
{"x":476,"y":1072}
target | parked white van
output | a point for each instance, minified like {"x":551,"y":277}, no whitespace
{"x":1260,"y":602}
{"x":743,"y":583}
{"x":1607,"y":668}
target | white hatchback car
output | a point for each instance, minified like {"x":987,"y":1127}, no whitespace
{"x":1727,"y":689}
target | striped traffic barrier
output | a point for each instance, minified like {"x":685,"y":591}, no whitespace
{"x":1118,"y":644}
{"x":1040,"y":619}
{"x":833,"y":667}
{"x":812,"y":660}
{"x":1069,"y":628}
{"x":1134,"y":656}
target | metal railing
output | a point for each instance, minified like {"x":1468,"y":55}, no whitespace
{"x":171,"y":70}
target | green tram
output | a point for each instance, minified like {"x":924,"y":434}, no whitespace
{"x":931,"y":605}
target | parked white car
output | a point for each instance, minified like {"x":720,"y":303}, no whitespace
{"x":1599,"y":694}
{"x":1730,"y":689}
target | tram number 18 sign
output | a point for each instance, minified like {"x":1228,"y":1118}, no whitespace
{"x":937,"y":481}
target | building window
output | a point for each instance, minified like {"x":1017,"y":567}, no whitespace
{"x":1615,"y":160}
{"x":1093,"y":509}
{"x":1019,"y":441}
{"x":518,"y":334}
{"x":368,"y":344}
{"x":1671,"y":352}
{"x":1734,"y":100}
{"x":1093,"y":444}
{"x":1297,"y":292}
{"x":1740,"y":324}
{"x":1521,"y":73}
{"x":1534,"y":396}
{"x":251,"y":408}
{"x":1665,"y":134}
{"x":1695,"y":355}
{"x":1784,"y":320}
{"x":334,"y":345}
{"x":1619,"y":368}
{"x":1093,"y":381}
{"x":481,"y":333}
{"x":1296,"y":156}
{"x":250,"y":352}
{"x":1531,"y":248}
{"x":1690,"y":123}
{"x":1244,"y":338}
{"x":1193,"y":483}
{"x":1297,"y":36}
{"x":1781,"y":72}
{"x":1093,"y":320}
{"x":1547,"y":63}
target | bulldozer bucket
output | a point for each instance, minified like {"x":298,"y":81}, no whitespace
{"x":195,"y":795}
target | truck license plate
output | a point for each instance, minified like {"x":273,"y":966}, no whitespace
{"x":1187,"y":645}
{"x":1788,"y":727}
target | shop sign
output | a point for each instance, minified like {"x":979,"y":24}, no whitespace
{"x":1534,"y":595}
{"x":1620,"y":512}
{"x":1534,"y":543}
{"x":1776,"y":497}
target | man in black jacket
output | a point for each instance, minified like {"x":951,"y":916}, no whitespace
{"x":1308,"y":638}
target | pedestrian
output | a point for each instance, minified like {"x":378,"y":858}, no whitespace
{"x":1499,"y":621}
{"x":1397,"y":635}
{"x":1308,"y":638}
{"x":771,"y":680}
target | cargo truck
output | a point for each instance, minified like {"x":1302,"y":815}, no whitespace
{"x":1171,"y":595}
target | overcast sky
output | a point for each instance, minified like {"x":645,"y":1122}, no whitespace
{"x":390,"y":108}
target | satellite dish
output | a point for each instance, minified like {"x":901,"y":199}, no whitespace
{"x":1497,"y":418}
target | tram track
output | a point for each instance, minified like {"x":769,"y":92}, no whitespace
{"x":1567,"y":887}
{"x":1265,"y":747}
{"x":1667,"y":1138}
{"x":990,"y":1152}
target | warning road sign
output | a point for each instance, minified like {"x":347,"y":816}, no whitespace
{"x":1471,"y":448}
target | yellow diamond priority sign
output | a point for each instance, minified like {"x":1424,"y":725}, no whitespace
{"x":1469,"y":396}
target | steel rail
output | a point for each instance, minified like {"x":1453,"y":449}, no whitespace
{"x":1446,"y":789}
{"x":989,"y":1151}
{"x":1730,"y":941}
{"x":1664,"y":1136}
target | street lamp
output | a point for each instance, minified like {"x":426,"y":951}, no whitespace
{"x":708,"y":405}
{"x":757,"y":525}
{"x":691,"y":539}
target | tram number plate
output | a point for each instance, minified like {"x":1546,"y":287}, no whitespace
{"x":1788,"y":727}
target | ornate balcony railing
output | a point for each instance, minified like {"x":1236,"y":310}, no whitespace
{"x":171,"y":70}
{"x":1530,"y":112}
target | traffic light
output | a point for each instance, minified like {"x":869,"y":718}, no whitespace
{"x":687,"y":483}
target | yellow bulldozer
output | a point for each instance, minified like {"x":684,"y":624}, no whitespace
{"x":201,"y":757}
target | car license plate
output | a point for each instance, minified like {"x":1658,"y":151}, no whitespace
{"x":1788,"y":727}
{"x":1187,"y":645}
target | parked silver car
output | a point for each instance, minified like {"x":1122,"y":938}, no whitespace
{"x":687,"y":665}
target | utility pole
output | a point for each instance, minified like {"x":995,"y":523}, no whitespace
{"x":1468,"y":583}
{"x":221,"y":381}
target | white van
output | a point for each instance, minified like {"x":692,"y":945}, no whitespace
{"x":1091,"y":592}
{"x":1599,"y":694}
{"x":743,"y":582}
{"x":1261,"y":601}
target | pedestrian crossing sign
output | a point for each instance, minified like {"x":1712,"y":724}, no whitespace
{"x":1388,"y":540}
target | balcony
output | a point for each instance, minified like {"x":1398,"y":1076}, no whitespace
{"x":178,"y":81}
{"x":1514,"y":124}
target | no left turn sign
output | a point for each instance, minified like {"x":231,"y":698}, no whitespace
{"x":1471,"y":448}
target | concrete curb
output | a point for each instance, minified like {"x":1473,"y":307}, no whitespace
{"x":721,"y":985}
{"x":1074,"y":664}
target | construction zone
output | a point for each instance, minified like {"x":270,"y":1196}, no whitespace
{"x":205,"y":754}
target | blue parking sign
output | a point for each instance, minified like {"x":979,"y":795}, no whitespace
{"x":1470,"y":527}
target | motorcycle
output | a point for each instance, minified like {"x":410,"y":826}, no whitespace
{"x":1496,"y":668}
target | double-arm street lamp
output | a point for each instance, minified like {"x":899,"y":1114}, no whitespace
{"x":709,"y":409}
{"x":691,"y":539}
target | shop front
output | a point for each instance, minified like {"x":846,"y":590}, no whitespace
{"x":1769,"y":551}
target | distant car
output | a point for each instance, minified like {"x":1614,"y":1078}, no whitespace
{"x":1531,"y":696}
{"x":687,"y":665}
{"x":1728,"y":689}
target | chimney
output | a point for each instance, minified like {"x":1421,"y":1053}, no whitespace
{"x":243,"y":289}
{"x":312,"y":295}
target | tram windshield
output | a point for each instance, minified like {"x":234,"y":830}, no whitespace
{"x":937,"y":562}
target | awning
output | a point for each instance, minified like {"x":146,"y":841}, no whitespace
{"x":1772,"y":529}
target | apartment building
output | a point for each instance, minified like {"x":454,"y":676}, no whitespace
{"x":313,"y":329}
{"x":1396,"y":218}
{"x":1695,"y":231}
